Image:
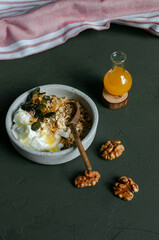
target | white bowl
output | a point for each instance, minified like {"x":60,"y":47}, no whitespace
{"x":54,"y":158}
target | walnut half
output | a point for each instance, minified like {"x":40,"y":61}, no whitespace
{"x":125,"y":188}
{"x":89,"y":178}
{"x":112,"y":149}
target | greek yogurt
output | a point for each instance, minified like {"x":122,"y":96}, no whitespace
{"x":38,"y":140}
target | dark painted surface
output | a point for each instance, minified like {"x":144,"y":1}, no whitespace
{"x":40,"y":202}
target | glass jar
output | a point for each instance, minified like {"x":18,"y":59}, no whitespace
{"x":117,"y":80}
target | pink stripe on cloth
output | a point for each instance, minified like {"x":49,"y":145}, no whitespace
{"x":55,"y":22}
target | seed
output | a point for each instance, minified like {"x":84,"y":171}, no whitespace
{"x":41,"y":93}
{"x":47,"y":97}
{"x":27,"y":106}
{"x":41,"y":118}
{"x":49,"y":114}
{"x":29,"y":97}
{"x":23,"y":106}
{"x":44,"y":101}
{"x":40,"y":106}
{"x":38,"y":113}
{"x":35,"y":126}
{"x":36,"y":91}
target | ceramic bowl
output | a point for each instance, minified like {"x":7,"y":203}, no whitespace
{"x":63,"y":156}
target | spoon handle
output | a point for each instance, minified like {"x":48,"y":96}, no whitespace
{"x":80,"y":147}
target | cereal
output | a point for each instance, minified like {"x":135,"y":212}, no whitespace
{"x":47,"y":118}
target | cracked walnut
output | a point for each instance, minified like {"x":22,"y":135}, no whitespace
{"x":112,"y":149}
{"x":89,"y":178}
{"x":125,"y":188}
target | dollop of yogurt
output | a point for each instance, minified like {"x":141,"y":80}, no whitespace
{"x":38,"y":140}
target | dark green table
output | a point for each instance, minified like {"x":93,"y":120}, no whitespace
{"x":40,"y":202}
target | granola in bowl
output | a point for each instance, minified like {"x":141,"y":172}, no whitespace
{"x":40,"y":123}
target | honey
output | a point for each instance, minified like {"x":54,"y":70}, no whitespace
{"x":117,"y":80}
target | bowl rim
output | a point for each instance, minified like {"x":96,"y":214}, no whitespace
{"x":61,"y":152}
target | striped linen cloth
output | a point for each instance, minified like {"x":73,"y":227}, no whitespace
{"x":31,"y":26}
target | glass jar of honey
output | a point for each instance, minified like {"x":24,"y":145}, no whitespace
{"x":117,"y":81}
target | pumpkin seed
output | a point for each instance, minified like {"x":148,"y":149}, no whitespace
{"x":23,"y":106}
{"x":29,"y":97}
{"x":27,"y":106}
{"x":47,"y":97}
{"x":49,"y":114}
{"x":36,"y":91}
{"x":38,"y":113}
{"x":40,"y":106}
{"x":44,"y":101}
{"x":35,"y":126}
{"x":41,"y":118}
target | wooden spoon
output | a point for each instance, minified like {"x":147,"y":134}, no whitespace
{"x":78,"y":142}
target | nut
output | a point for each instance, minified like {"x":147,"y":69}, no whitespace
{"x":112,"y":149}
{"x":89,"y":178}
{"x":125,"y":188}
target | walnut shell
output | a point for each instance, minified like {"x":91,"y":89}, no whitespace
{"x":125,"y":188}
{"x":89,"y":178}
{"x":112,"y":149}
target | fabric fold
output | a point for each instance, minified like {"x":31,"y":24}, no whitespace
{"x":35,"y":26}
